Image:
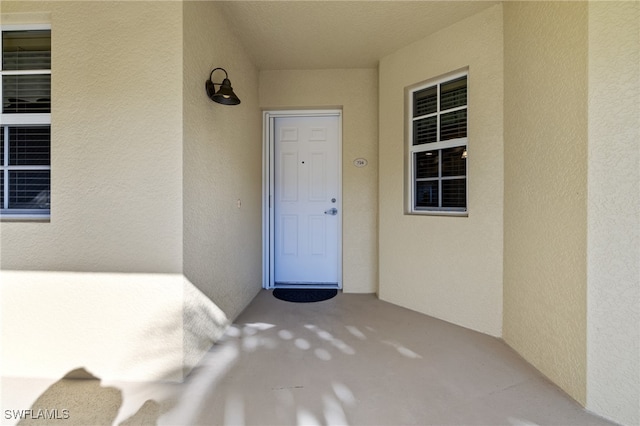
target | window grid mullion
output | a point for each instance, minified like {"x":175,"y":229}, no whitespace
{"x":1,"y":96}
{"x":422,"y":117}
{"x":439,"y":178}
{"x":460,"y":108}
{"x":433,"y":146}
{"x":27,"y":168}
{"x":438,"y":112}
{"x":27,"y":72}
{"x":438,"y":126}
{"x":5,"y":167}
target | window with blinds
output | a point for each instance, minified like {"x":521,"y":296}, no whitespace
{"x":437,"y":172}
{"x":25,"y":125}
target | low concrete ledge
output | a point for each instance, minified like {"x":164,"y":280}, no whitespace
{"x":119,"y":326}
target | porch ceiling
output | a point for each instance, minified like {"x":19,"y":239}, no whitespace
{"x":337,"y":34}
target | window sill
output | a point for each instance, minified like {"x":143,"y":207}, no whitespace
{"x":437,"y":213}
{"x":28,"y":217}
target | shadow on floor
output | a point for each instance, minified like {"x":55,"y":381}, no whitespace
{"x":79,"y":398}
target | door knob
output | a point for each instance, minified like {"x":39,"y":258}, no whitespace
{"x":332,"y":211}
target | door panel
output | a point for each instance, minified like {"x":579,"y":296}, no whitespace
{"x":306,"y":175}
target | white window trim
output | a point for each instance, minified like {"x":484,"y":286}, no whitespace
{"x":410,"y":149}
{"x":17,"y":120}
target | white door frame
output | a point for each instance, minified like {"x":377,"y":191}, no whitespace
{"x":268,"y":118}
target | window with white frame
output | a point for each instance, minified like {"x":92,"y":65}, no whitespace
{"x":25,"y":121}
{"x":437,"y":127}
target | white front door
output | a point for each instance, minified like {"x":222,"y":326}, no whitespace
{"x":306,"y":208}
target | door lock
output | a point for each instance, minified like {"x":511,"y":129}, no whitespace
{"x":332,"y":211}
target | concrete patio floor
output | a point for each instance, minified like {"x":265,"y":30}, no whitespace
{"x":350,"y":360}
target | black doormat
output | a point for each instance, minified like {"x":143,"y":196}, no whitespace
{"x":304,"y":295}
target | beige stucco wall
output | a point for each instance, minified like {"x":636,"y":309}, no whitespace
{"x":101,"y":283}
{"x":545,"y":246}
{"x":116,"y":151}
{"x":447,"y":267}
{"x":222,"y":165}
{"x":355,"y":92}
{"x":613,"y":337}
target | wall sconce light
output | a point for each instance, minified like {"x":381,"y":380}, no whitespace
{"x":225,"y":94}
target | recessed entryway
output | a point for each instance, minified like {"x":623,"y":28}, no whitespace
{"x":302,"y":214}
